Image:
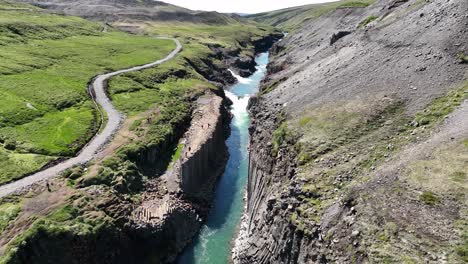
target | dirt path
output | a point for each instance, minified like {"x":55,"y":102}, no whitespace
{"x":95,"y":145}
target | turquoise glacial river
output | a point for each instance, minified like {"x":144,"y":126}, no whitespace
{"x":214,"y":242}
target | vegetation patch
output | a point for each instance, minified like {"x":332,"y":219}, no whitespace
{"x":366,"y":21}
{"x":441,"y":107}
{"x":47,"y":62}
{"x":428,"y":198}
{"x":354,"y":4}
{"x":14,"y":165}
{"x":324,"y":129}
{"x":463,"y":58}
{"x":56,"y":133}
{"x":461,"y":248}
{"x":8,"y":212}
{"x":61,"y":229}
{"x":280,"y":135}
{"x":177,"y":153}
{"x":270,"y":87}
{"x":73,"y":173}
{"x":444,"y":172}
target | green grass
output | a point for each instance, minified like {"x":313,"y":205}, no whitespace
{"x":366,"y":21}
{"x":305,"y":120}
{"x":443,"y":172}
{"x":177,"y":153}
{"x":8,"y":212}
{"x":461,"y":248}
{"x":280,"y":135}
{"x":463,"y":57}
{"x":442,"y":106}
{"x":55,"y":133}
{"x":14,"y":165}
{"x":67,"y":212}
{"x":46,"y":62}
{"x":135,"y":124}
{"x":353,"y":4}
{"x":428,"y":198}
{"x":20,"y":26}
{"x":73,"y":62}
{"x":138,"y":101}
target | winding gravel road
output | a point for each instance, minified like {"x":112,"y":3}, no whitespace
{"x":96,"y":144}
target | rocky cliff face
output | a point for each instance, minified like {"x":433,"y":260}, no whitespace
{"x":244,"y":63}
{"x":331,"y":177}
{"x":204,"y":152}
{"x":175,"y":204}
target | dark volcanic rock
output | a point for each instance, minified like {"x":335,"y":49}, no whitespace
{"x":246,"y":64}
{"x":336,"y":36}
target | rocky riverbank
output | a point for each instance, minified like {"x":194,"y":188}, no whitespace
{"x":241,"y":62}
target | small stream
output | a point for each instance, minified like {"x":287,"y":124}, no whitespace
{"x":214,"y":242}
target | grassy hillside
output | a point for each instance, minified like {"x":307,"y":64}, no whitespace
{"x":47,"y":61}
{"x":291,"y":18}
{"x":142,"y":10}
{"x":236,"y":34}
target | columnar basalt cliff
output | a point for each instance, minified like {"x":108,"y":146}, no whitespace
{"x":347,"y":136}
{"x":175,"y":204}
{"x":204,"y":150}
{"x":165,"y":218}
{"x":267,"y":235}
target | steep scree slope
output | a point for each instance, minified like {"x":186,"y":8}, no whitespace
{"x":359,"y":140}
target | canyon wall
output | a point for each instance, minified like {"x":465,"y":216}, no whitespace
{"x":340,"y":131}
{"x":175,"y":205}
{"x":204,"y":151}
